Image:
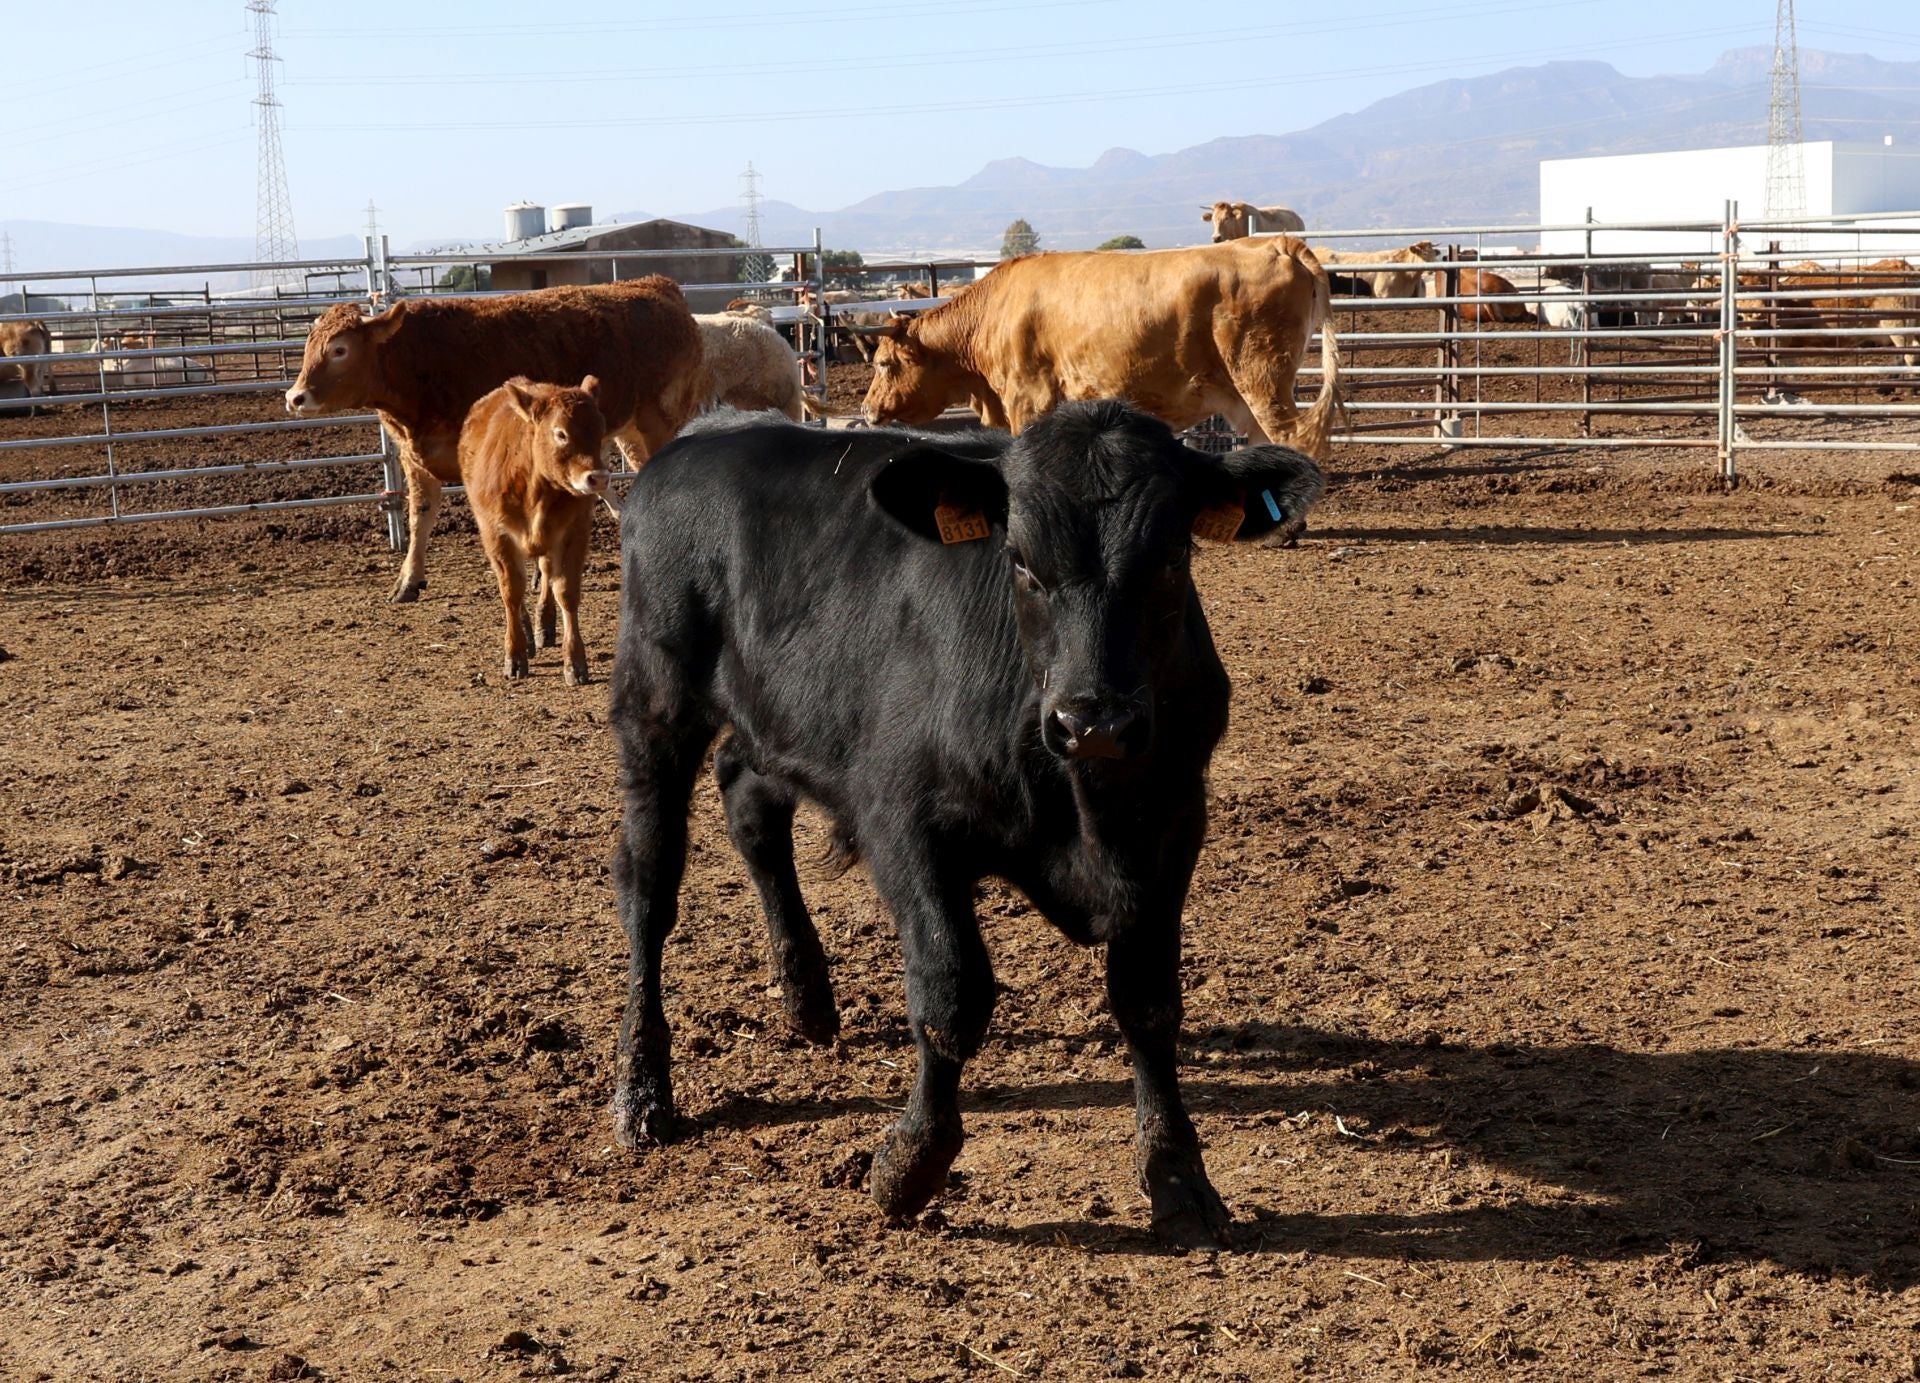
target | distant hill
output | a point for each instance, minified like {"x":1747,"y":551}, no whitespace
{"x":1456,"y":152}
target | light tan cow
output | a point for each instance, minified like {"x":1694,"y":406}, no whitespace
{"x":21,"y":341}
{"x":1237,"y":220}
{"x":1386,"y":283}
{"x":748,"y":365}
{"x":1182,"y":334}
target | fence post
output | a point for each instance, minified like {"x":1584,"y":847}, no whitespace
{"x":820,"y":330}
{"x":1446,"y":385}
{"x":1729,"y":326}
{"x":106,"y":409}
{"x":1587,"y":317}
{"x":392,"y":483}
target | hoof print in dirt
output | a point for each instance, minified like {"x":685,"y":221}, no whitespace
{"x":849,"y":1172}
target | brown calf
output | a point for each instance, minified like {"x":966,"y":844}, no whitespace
{"x":530,"y":457}
{"x":422,"y":363}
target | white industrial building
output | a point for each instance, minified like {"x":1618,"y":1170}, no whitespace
{"x":1694,"y":185}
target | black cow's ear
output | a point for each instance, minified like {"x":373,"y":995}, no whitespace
{"x":1263,"y":487}
{"x":940,"y":496}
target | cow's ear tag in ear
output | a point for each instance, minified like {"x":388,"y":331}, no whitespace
{"x":958,"y":525}
{"x":1220,"y":522}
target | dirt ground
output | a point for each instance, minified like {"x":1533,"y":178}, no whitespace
{"x":1550,"y":977}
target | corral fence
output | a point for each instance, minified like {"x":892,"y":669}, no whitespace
{"x":142,"y":355}
{"x":1722,"y":339}
{"x":1731,"y":337}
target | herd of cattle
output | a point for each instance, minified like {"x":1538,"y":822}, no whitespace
{"x":980,"y":652}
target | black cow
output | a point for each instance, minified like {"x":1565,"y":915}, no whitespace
{"x":1037,"y":702}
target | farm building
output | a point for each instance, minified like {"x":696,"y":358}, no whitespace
{"x":1842,"y":179}
{"x":526,"y":260}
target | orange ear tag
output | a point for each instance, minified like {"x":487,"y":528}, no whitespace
{"x":959,"y":525}
{"x":1221,"y":522}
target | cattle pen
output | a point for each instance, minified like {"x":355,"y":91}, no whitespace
{"x":1738,"y":361}
{"x":1547,"y":973}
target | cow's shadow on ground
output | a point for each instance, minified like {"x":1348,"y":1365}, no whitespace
{"x":1809,"y":1159}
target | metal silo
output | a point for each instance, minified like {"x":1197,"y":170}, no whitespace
{"x":525,"y":220}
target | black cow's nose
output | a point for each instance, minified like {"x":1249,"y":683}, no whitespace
{"x":1085,"y":738}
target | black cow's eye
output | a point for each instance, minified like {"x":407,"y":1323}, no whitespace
{"x":1023,"y":573}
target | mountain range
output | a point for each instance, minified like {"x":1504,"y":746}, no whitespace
{"x":1455,"y":152}
{"x":1459,"y":152}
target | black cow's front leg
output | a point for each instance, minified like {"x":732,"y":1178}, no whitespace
{"x":1143,"y":986}
{"x":949,"y":1003}
{"x":657,"y":775}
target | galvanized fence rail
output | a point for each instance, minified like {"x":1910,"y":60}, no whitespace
{"x":1758,"y":323}
{"x":153,"y":336}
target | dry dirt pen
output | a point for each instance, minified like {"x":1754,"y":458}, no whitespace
{"x":1550,"y":976}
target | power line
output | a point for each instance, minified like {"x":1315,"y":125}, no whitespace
{"x":757,"y":268}
{"x":1786,"y":165}
{"x":274,"y":241}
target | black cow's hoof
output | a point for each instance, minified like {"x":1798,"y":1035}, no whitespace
{"x":911,"y":1169}
{"x":811,"y":1011}
{"x":1187,"y":1212}
{"x":644,"y":1123}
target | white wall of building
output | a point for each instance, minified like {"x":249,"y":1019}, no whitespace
{"x":1694,"y":185}
{"x":1876,"y":177}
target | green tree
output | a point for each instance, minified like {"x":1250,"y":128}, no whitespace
{"x":467,"y":278}
{"x":1021,"y":239}
{"x":1122,"y":242}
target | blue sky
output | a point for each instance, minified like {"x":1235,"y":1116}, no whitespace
{"x":137,"y":112}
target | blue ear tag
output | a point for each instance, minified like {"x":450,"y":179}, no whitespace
{"x":1272,"y":508}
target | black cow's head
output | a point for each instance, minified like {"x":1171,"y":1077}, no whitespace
{"x":1096,"y":505}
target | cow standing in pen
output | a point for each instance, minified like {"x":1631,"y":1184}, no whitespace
{"x":422,"y":363}
{"x":26,"y":344}
{"x":530,"y":456}
{"x":1182,"y":334}
{"x":1237,"y":220}
{"x":980,"y":657}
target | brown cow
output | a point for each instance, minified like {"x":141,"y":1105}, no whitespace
{"x":1237,"y":220}
{"x":530,"y":456}
{"x":1182,"y":334}
{"x":422,"y":363}
{"x":1895,"y":311}
{"x":1483,"y":283}
{"x":19,"y":340}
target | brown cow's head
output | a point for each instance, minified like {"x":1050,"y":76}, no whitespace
{"x":1231,"y":220}
{"x":566,"y":431}
{"x":912,"y":383}
{"x":337,"y":369}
